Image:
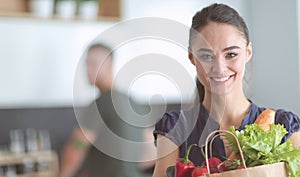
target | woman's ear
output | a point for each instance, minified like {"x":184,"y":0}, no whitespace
{"x":191,"y":57}
{"x":249,"y":51}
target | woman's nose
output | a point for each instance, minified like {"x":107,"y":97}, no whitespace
{"x":219,"y":65}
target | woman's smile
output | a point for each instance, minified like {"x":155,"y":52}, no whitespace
{"x":221,"y":79}
{"x":220,"y":58}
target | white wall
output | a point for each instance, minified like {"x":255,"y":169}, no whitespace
{"x":39,"y":58}
{"x":298,"y":29}
{"x":275,"y":35}
{"x":179,"y":10}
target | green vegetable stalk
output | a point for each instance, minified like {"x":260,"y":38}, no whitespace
{"x":264,"y":147}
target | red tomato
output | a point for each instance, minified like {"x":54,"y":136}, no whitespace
{"x":199,"y":171}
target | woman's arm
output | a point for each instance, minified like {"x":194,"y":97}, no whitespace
{"x":295,"y":138}
{"x":150,"y":149}
{"x":167,"y":153}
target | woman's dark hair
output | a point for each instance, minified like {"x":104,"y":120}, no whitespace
{"x":200,"y":90}
{"x":218,"y":13}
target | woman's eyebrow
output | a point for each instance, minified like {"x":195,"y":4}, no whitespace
{"x":205,"y":50}
{"x":231,"y":48}
{"x":224,"y":50}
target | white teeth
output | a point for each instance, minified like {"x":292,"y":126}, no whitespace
{"x":220,"y":79}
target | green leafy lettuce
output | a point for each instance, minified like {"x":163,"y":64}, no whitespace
{"x":264,"y":147}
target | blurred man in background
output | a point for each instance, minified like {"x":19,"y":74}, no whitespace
{"x":80,"y":157}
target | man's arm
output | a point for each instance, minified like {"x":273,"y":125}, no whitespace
{"x":74,"y":152}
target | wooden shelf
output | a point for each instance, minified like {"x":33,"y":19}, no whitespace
{"x":107,"y":11}
{"x":39,"y":174}
{"x":16,"y":160}
{"x":27,"y":15}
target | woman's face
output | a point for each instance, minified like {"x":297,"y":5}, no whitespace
{"x":220,"y":54}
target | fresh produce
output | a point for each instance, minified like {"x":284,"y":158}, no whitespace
{"x":260,"y":144}
{"x":184,"y":166}
{"x":232,"y":164}
{"x":241,"y":167}
{"x":214,"y":165}
{"x":264,"y":147}
{"x":266,"y":118}
{"x":199,"y":171}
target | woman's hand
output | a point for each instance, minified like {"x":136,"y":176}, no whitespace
{"x":295,"y":138}
{"x":167,"y":153}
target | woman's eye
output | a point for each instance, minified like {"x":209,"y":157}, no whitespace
{"x":206,"y":57}
{"x":231,"y":55}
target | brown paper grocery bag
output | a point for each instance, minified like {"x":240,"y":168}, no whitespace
{"x":270,"y":170}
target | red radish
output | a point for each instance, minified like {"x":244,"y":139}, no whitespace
{"x":221,"y":168}
{"x":199,"y":171}
{"x":241,"y":167}
{"x":213,"y":164}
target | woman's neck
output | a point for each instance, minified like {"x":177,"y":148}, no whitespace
{"x":227,"y":109}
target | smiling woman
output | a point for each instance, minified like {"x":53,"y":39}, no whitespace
{"x":220,"y":48}
{"x":223,"y":58}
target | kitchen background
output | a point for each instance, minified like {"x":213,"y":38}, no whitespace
{"x":39,"y":56}
{"x":40,"y":52}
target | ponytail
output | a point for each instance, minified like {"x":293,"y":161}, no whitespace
{"x":200,"y":89}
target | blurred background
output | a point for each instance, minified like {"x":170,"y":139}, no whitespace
{"x":42,"y":42}
{"x":40,"y":47}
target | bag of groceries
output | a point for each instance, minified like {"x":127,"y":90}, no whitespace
{"x":268,"y":170}
{"x":257,"y":152}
